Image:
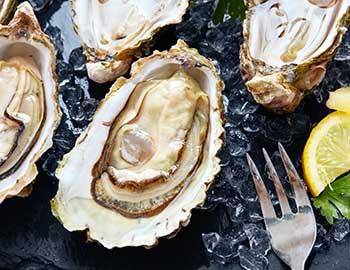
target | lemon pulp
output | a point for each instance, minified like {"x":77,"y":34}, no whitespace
{"x":339,"y":100}
{"x":327,"y":152}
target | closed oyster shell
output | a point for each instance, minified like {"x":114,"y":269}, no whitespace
{"x":149,"y":155}
{"x":29,"y":111}
{"x":113,"y":31}
{"x":287,"y":45}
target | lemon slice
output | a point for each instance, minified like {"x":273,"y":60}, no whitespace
{"x":339,"y":100}
{"x":327,"y":152}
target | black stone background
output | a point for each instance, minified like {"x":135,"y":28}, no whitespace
{"x":31,"y":238}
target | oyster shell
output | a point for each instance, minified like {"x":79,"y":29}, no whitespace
{"x":113,"y":31}
{"x":148,"y":156}
{"x":287,"y":45}
{"x":6,"y":10}
{"x":29,"y":111}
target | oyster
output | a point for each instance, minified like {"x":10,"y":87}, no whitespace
{"x":6,"y":10}
{"x":113,"y":31}
{"x":148,"y":156}
{"x":287,"y":45}
{"x":29,"y":111}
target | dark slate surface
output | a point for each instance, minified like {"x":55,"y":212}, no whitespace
{"x":228,"y":230}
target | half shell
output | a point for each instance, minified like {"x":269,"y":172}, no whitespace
{"x":29,"y":112}
{"x":287,"y":45}
{"x":148,"y":156}
{"x":113,"y":31}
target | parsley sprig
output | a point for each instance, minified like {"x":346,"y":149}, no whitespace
{"x":334,"y":202}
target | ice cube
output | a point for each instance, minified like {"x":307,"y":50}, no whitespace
{"x":252,"y":260}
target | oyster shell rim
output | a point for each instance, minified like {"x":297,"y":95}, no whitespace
{"x":125,"y":57}
{"x":176,"y":52}
{"x":7,"y":12}
{"x":341,"y":30}
{"x":289,"y":74}
{"x":25,"y":28}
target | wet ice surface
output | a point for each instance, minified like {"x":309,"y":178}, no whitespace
{"x":228,"y":231}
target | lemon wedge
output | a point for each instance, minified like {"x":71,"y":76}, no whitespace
{"x":339,"y":100}
{"x":327,"y":152}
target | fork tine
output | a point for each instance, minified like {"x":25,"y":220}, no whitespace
{"x":285,"y":208}
{"x":299,"y":190}
{"x":264,"y":198}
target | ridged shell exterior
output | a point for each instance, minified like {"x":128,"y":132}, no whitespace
{"x":103,"y":66}
{"x":285,"y":86}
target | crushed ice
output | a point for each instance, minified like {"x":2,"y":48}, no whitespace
{"x":240,"y":234}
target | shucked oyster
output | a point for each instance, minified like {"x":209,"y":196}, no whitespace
{"x":148,"y":156}
{"x":28,"y":103}
{"x":287,"y":45}
{"x":112,"y":31}
{"x":6,"y":9}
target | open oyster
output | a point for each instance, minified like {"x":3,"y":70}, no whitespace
{"x":6,"y":10}
{"x":112,"y":31}
{"x":148,"y":156}
{"x":287,"y":45}
{"x":29,"y":111}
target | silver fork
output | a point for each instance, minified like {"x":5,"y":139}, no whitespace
{"x":293,"y":235}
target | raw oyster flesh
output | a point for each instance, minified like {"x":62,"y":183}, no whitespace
{"x":148,"y":156}
{"x":113,"y":31}
{"x":28,"y":100}
{"x":287,"y":45}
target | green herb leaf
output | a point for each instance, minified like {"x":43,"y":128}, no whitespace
{"x":334,"y":202}
{"x":235,"y":8}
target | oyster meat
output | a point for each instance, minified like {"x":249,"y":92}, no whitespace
{"x":113,"y":31}
{"x":287,"y":45}
{"x":6,"y":10}
{"x":29,"y":111}
{"x":149,"y":155}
